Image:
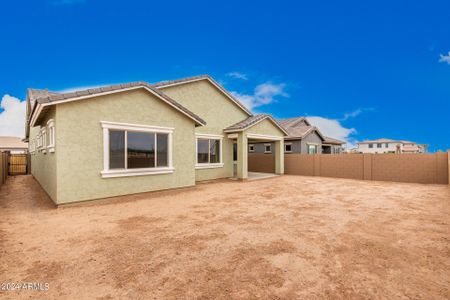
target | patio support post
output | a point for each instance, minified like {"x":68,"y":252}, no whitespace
{"x":242,"y":156}
{"x":279,"y":157}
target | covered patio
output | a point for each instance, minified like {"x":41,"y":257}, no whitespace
{"x":259,"y":128}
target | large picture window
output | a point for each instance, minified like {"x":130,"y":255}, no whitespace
{"x":209,"y":151}
{"x":136,"y":149}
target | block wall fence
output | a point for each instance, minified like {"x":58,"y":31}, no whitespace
{"x":415,"y":168}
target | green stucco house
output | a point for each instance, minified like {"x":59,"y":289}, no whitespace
{"x":139,"y":137}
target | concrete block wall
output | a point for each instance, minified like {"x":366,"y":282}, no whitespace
{"x":414,"y":168}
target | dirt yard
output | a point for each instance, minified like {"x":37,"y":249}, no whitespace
{"x":287,"y":237}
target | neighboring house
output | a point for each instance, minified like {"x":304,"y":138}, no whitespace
{"x":140,"y":137}
{"x":389,"y":146}
{"x":302,"y":138}
{"x":333,"y":146}
{"x":13,"y":144}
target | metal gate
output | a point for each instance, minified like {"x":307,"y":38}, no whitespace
{"x":18,"y":164}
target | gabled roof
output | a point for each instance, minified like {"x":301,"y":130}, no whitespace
{"x":292,"y":122}
{"x":329,"y":140}
{"x":300,"y":132}
{"x":252,"y":121}
{"x":51,"y":98}
{"x":169,"y":83}
{"x":297,"y":130}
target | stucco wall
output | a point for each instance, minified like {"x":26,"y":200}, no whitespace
{"x":218,"y":111}
{"x":44,"y":166}
{"x":265,"y":127}
{"x":80,"y":145}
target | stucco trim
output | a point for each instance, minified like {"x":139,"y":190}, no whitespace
{"x":136,"y":172}
{"x":209,"y":137}
{"x":264,"y":137}
{"x":136,"y":127}
{"x":209,"y":166}
{"x":107,"y":172}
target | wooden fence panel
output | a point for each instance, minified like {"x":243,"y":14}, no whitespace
{"x":18,"y":164}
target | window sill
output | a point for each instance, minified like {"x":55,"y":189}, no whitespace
{"x":135,"y":172}
{"x":208,"y":166}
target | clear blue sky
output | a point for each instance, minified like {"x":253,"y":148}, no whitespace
{"x":373,"y":66}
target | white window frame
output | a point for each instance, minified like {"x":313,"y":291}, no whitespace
{"x":287,"y":144}
{"x":251,"y":148}
{"x":51,"y":135}
{"x":312,"y":144}
{"x":44,"y":140}
{"x":270,"y":148}
{"x":108,"y":173}
{"x":199,"y":136}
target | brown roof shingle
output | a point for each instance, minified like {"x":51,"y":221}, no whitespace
{"x":253,"y":120}
{"x":49,"y":97}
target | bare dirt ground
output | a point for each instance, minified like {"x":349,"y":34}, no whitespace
{"x":287,"y":237}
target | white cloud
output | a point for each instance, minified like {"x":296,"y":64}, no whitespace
{"x":334,"y":129}
{"x":237,"y":75}
{"x":356,"y":113}
{"x":445,"y":58}
{"x":12,"y":118}
{"x":263,"y":94}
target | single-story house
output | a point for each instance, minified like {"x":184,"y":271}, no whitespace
{"x":139,"y":137}
{"x":13,"y":144}
{"x":302,"y":138}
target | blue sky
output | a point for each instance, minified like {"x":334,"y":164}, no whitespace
{"x":360,"y":69}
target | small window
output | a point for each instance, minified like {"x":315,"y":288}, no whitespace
{"x":251,"y":148}
{"x":370,"y":145}
{"x":51,"y":135}
{"x":267,"y":148}
{"x":44,"y":140}
{"x":209,"y":151}
{"x":386,"y":145}
{"x":379,"y":145}
{"x":288,"y":148}
{"x":312,"y":149}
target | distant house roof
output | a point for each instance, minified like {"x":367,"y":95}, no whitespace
{"x":292,"y":122}
{"x":384,"y":140}
{"x":168,"y":83}
{"x":251,"y":121}
{"x":12,"y":143}
{"x":332,"y":141}
{"x":46,"y":98}
{"x":299,"y":127}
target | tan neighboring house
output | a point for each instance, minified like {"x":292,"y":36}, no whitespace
{"x":302,"y":138}
{"x":140,"y":137}
{"x":13,"y":144}
{"x":384,"y":145}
